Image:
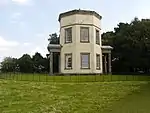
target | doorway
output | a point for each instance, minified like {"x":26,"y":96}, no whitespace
{"x":56,"y":62}
{"x":105,"y":63}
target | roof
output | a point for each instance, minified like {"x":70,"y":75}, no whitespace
{"x":84,"y":12}
{"x":54,"y":46}
{"x":107,"y":47}
{"x":57,"y":46}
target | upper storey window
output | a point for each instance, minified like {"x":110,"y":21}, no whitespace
{"x":68,"y":35}
{"x":97,"y":37}
{"x":84,"y":34}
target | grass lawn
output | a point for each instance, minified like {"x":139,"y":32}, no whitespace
{"x":137,"y":102}
{"x":57,"y":97}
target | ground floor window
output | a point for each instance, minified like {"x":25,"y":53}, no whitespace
{"x":85,"y":60}
{"x":98,"y":61}
{"x":68,"y":61}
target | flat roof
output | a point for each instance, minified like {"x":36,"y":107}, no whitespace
{"x":107,"y":47}
{"x":54,"y":46}
{"x":84,"y":12}
{"x":58,"y":46}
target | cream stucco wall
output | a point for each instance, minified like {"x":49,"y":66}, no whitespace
{"x":76,"y":21}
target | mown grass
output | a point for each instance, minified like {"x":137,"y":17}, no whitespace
{"x":78,"y":78}
{"x":57,"y":97}
{"x":39,"y":93}
{"x":137,"y":102}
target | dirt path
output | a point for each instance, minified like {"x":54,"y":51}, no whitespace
{"x":138,"y":102}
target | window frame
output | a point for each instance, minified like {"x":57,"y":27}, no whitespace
{"x":97,"y":37}
{"x":82,"y":41}
{"x":66,"y":37}
{"x":81,"y":54}
{"x":66,"y":67}
{"x":98,"y":63}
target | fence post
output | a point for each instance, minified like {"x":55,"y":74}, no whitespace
{"x":33,"y":77}
{"x":126,"y":77}
{"x":95,"y":78}
{"x":111,"y":77}
{"x":46,"y":77}
{"x":70,"y":78}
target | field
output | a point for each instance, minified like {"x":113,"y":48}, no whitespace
{"x":80,"y":95}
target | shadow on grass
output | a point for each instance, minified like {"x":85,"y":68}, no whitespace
{"x":136,"y":102}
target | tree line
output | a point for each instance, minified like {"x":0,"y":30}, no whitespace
{"x":26,"y":64}
{"x":131,"y":43}
{"x":130,"y":54}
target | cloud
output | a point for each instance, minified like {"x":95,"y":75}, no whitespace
{"x":13,"y":48}
{"x":16,"y":18}
{"x":40,"y":50}
{"x":17,"y":2}
{"x":22,"y":2}
{"x":17,"y":49}
{"x":26,"y":44}
{"x":39,"y":35}
{"x":4,"y":49}
{"x":6,"y":44}
{"x":7,"y":48}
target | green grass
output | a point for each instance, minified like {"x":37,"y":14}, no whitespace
{"x":137,"y":102}
{"x":79,"y":78}
{"x":59,"y":97}
{"x":39,"y":93}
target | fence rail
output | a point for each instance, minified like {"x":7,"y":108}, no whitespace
{"x":72,"y":78}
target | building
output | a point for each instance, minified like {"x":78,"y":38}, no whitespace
{"x":80,"y":49}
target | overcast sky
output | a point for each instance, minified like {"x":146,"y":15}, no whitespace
{"x":26,"y":24}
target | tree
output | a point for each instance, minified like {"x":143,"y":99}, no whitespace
{"x":54,"y":39}
{"x":107,"y":38}
{"x":131,"y":43}
{"x":25,"y":64}
{"x":40,"y":63}
{"x":9,"y":64}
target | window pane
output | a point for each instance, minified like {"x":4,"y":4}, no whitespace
{"x":68,"y":35}
{"x":84,"y":34}
{"x":98,"y":61}
{"x":68,"y":61}
{"x":97,"y":37}
{"x":69,"y":64}
{"x":84,"y":60}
